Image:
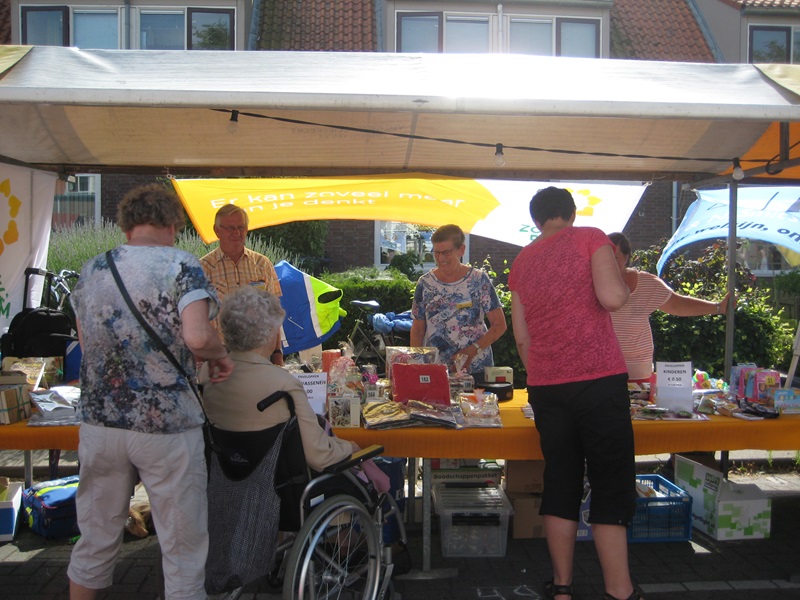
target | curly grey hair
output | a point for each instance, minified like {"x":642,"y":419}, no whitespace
{"x":249,"y":318}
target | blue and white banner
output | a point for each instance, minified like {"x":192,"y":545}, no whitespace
{"x":769,"y":214}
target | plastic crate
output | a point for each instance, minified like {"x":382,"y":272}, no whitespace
{"x":473,"y":519}
{"x":665,"y":518}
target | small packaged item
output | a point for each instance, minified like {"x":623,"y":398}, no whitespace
{"x":414,"y":355}
{"x":428,"y":383}
{"x":385,"y":415}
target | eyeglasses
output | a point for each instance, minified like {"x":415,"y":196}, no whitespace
{"x":444,"y":253}
{"x":232,"y":228}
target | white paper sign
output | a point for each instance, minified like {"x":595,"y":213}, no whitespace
{"x":316,"y":387}
{"x":674,"y":374}
{"x":674,"y":386}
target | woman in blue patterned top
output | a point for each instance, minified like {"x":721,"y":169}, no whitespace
{"x":139,"y":415}
{"x":451,"y":304}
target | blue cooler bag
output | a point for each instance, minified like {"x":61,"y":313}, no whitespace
{"x":50,"y":507}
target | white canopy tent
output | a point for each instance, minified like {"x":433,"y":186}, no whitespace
{"x":226,"y":114}
{"x":312,"y":113}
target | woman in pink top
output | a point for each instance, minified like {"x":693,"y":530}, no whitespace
{"x":648,"y":294}
{"x":563,"y":286}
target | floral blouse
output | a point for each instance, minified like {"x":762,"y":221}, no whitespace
{"x":455,"y":314}
{"x":126,"y":381}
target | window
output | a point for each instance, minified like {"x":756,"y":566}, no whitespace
{"x":393,"y":238}
{"x":530,"y":36}
{"x":578,"y":38}
{"x":211,"y":29}
{"x":80,"y":204}
{"x":96,"y":29}
{"x":419,"y":32}
{"x":774,"y":44}
{"x":468,"y":32}
{"x":161,"y":30}
{"x":45,"y":26}
{"x":153,"y":29}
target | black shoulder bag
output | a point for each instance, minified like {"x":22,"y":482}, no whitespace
{"x":164,"y":349}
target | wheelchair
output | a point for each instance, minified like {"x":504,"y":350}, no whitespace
{"x":331,"y":523}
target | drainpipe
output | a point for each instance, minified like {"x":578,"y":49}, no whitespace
{"x":126,"y":36}
{"x":500,"y":30}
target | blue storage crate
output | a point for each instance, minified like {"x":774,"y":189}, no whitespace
{"x":666,"y":518}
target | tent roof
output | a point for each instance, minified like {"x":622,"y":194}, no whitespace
{"x":314,"y":113}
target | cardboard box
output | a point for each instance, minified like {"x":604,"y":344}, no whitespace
{"x":584,"y":527}
{"x":526,"y":522}
{"x":9,"y":510}
{"x":498,"y":374}
{"x":524,"y":476}
{"x":15,"y":403}
{"x":720,"y":508}
{"x":786,"y":400}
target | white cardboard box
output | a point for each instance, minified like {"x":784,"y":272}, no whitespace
{"x":9,"y":510}
{"x":720,"y":508}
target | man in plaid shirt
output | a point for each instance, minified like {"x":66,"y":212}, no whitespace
{"x":232,"y":266}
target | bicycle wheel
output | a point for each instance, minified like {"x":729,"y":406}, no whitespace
{"x":337,"y":554}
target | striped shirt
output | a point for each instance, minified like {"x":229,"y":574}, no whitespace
{"x":632,"y":324}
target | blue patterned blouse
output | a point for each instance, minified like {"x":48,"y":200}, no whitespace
{"x":455,"y":314}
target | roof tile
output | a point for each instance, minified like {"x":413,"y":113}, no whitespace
{"x":343,"y":25}
{"x":663,"y":30}
{"x":765,"y":3}
{"x":5,"y":22}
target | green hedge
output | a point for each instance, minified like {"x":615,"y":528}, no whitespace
{"x":391,"y":289}
{"x":760,"y":336}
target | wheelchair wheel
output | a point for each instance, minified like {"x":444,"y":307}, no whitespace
{"x":337,"y":554}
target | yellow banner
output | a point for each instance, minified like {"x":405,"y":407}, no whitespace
{"x":411,"y":197}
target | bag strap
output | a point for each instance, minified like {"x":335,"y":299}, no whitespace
{"x":153,"y":335}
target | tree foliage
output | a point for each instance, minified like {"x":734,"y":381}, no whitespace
{"x":760,"y":335}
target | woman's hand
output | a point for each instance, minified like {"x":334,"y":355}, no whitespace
{"x":219,"y":369}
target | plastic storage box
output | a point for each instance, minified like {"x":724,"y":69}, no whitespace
{"x":9,"y":510}
{"x":473,"y":519}
{"x":664,"y":518}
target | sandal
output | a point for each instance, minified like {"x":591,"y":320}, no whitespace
{"x":634,"y":596}
{"x":551,"y":590}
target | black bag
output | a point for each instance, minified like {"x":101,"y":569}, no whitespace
{"x":38,"y":332}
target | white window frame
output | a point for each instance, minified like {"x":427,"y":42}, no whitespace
{"x":69,"y":12}
{"x":500,"y":29}
{"x":793,"y":31}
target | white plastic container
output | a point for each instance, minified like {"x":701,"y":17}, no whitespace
{"x":473,"y":519}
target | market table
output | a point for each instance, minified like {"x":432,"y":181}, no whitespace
{"x":18,"y":436}
{"x":518,"y":439}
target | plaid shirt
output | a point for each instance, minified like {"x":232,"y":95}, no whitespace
{"x":226,"y":276}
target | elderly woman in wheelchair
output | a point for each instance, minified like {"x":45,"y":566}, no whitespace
{"x":274,"y":468}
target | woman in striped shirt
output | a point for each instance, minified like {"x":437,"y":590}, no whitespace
{"x":648,"y":294}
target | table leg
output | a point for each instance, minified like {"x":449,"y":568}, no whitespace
{"x":427,"y":494}
{"x":411,"y":496}
{"x":28,"y":468}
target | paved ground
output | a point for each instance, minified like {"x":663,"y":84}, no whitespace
{"x":703,"y":569}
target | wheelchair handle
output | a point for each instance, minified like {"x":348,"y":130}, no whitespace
{"x":275,"y":397}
